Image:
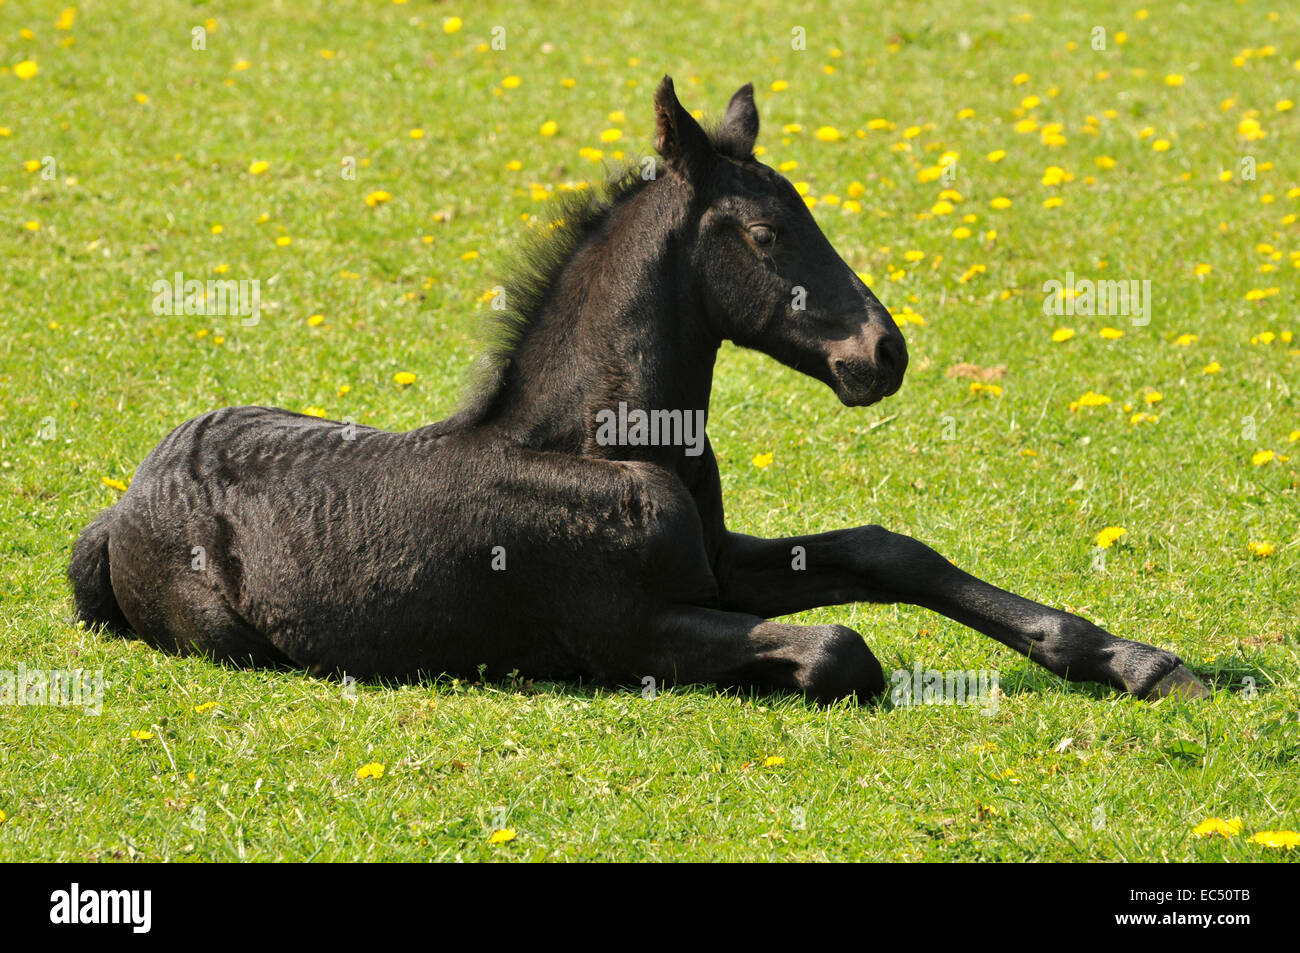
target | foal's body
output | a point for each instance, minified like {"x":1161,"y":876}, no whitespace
{"x":510,"y":537}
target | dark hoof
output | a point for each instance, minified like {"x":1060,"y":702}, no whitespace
{"x":1179,"y":682}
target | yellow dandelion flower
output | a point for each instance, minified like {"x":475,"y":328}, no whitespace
{"x":113,"y":484}
{"x":140,"y":734}
{"x":779,"y":86}
{"x":503,"y":836}
{"x":829,"y":134}
{"x":26,"y":69}
{"x":773,"y":761}
{"x":1089,"y":399}
{"x":1109,"y":536}
{"x":284,"y":241}
{"x":1262,"y":550}
{"x":762,"y":460}
{"x":1161,"y":145}
{"x":1212,"y":368}
{"x":258,"y":167}
{"x":1054,"y":201}
{"x":372,"y":770}
{"x":378,"y":197}
{"x":611,"y":135}
{"x":404,"y":378}
{"x":1174,"y":79}
{"x":1261,"y":457}
{"x":1062,"y":334}
{"x":1111,"y":334}
{"x":1000,"y":202}
{"x":997,"y":155}
{"x":914,"y":255}
{"x":1216,"y":826}
{"x":1281,"y":839}
{"x":314,"y":411}
{"x":451,"y":25}
{"x":206,"y":706}
{"x":1186,"y":340}
{"x":511,"y":82}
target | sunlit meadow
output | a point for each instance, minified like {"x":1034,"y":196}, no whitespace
{"x":371,"y":166}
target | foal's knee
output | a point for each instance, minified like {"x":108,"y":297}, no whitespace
{"x":841,"y":665}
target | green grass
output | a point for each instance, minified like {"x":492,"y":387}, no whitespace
{"x":587,"y":774}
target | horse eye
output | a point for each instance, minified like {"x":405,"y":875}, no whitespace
{"x":762,"y":234}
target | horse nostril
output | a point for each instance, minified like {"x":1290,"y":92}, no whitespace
{"x":887,"y":357}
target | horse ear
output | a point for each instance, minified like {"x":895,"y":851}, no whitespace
{"x":740,"y":125}
{"x":678,"y":137}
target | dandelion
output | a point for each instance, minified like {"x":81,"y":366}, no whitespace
{"x":404,"y":378}
{"x":314,"y":411}
{"x":1186,"y":340}
{"x":284,"y":241}
{"x":779,"y":86}
{"x":511,"y":82}
{"x":1111,"y":334}
{"x":1054,"y":201}
{"x":378,"y":197}
{"x":1153,"y":397}
{"x":1173,"y":79}
{"x":1104,"y":162}
{"x":549,"y":128}
{"x":1161,"y":145}
{"x":829,"y":134}
{"x":32,"y":226}
{"x":451,"y":25}
{"x":762,"y":460}
{"x":1212,"y":368}
{"x":1089,"y":399}
{"x":1262,"y":550}
{"x":416,"y":133}
{"x":140,"y":734}
{"x":206,"y":706}
{"x":1062,"y":334}
{"x":1281,"y":839}
{"x":503,"y":836}
{"x":914,"y":255}
{"x":316,"y":320}
{"x":1216,"y":826}
{"x":1261,"y":457}
{"x":773,"y":761}
{"x":258,"y":167}
{"x":1109,"y":536}
{"x":1000,"y":202}
{"x":26,"y":69}
{"x":372,"y":770}
{"x":113,"y":484}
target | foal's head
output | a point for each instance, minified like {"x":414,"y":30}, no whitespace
{"x":768,"y":277}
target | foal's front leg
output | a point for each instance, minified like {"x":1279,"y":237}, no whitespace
{"x":871,"y":564}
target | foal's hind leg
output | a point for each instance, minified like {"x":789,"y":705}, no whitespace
{"x":690,"y":644}
{"x":871,"y":564}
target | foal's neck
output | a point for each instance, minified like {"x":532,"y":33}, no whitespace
{"x":620,"y":330}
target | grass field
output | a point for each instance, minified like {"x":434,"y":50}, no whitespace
{"x":127,"y":156}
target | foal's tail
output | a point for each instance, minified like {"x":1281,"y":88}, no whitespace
{"x":88,"y":572}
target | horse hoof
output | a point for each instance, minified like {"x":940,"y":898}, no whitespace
{"x":1179,"y":682}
